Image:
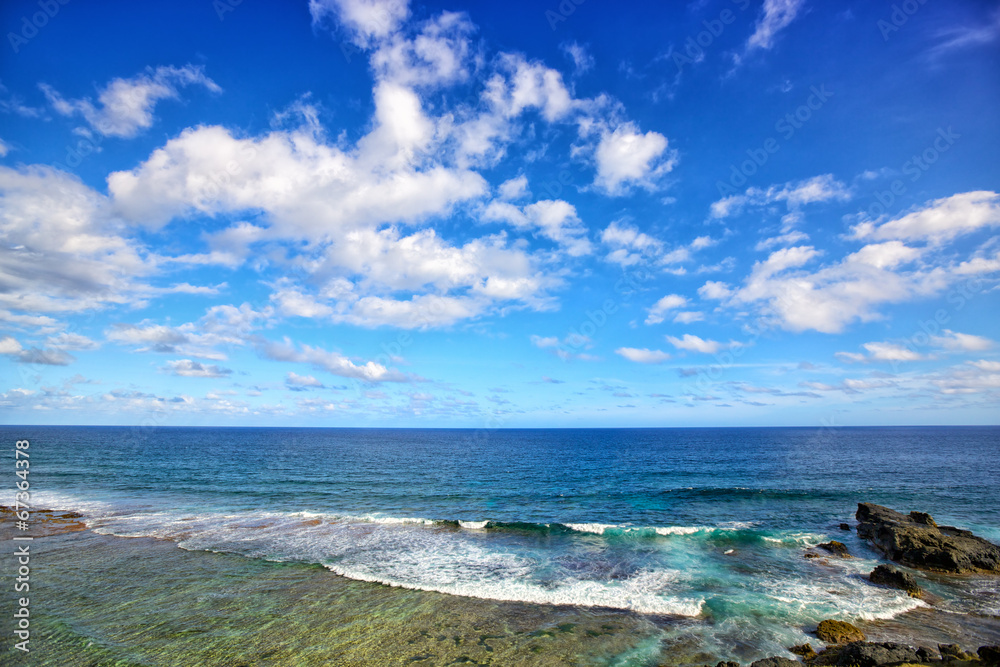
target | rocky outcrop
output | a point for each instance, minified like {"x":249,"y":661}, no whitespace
{"x":951,"y":652}
{"x":990,"y":655}
{"x":804,"y":650}
{"x":838,"y":632}
{"x":836,"y":548}
{"x":845,"y":526}
{"x":917,"y":541}
{"x":776,"y":662}
{"x":886,"y":575}
{"x":865,"y":654}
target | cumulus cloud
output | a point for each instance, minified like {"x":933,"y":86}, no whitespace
{"x":365,"y":20}
{"x":10,"y":346}
{"x":194,"y":369}
{"x":297,"y":382}
{"x":125,"y":106}
{"x":952,"y":341}
{"x":693,"y":343}
{"x":794,"y":194}
{"x":62,"y":252}
{"x":627,"y":157}
{"x":643,"y":355}
{"x":938,"y":221}
{"x":331,"y":362}
{"x":556,"y":220}
{"x":657,"y":312}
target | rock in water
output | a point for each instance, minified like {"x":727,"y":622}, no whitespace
{"x":922,"y":544}
{"x":887,"y":575}
{"x":805,"y":650}
{"x":845,"y":526}
{"x":776,"y":662}
{"x":864,"y":654}
{"x":836,"y":548}
{"x":990,"y":655}
{"x":838,"y":632}
{"x":954,"y":652}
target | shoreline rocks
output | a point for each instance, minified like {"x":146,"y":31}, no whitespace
{"x":886,"y":575}
{"x":838,"y":632}
{"x":836,"y":548}
{"x":915,"y":540}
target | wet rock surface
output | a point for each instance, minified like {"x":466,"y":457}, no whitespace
{"x":915,"y":540}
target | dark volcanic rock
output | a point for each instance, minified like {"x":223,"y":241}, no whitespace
{"x":922,"y":544}
{"x":776,"y":662}
{"x":805,"y":650}
{"x":845,"y":526}
{"x":927,"y":654}
{"x":838,"y":632}
{"x":864,"y":654}
{"x":924,"y":518}
{"x":728,"y":664}
{"x":954,"y":652}
{"x":887,"y":575}
{"x":990,"y":655}
{"x":835,"y":547}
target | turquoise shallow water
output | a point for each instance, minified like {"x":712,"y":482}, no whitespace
{"x":706,"y":524}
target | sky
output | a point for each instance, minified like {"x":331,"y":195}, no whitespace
{"x":492,"y":215}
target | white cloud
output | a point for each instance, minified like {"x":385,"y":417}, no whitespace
{"x":630,"y":246}
{"x":126,"y":105}
{"x":953,"y":341}
{"x":643,"y":355}
{"x":221,"y":326}
{"x":775,"y":16}
{"x":950,"y":341}
{"x":795,"y":194}
{"x":331,"y":362}
{"x":514,"y":188}
{"x":544,"y":341}
{"x":627,"y":157}
{"x":830,"y":298}
{"x":294,"y":380}
{"x":62,"y":252}
{"x":582,"y":61}
{"x":715,"y":290}
{"x":788,"y":239}
{"x":937,"y":221}
{"x":4,"y":148}
{"x":9,"y":345}
{"x":72,"y":341}
{"x":891,"y":352}
{"x":688,"y":317}
{"x":194,"y":369}
{"x":658,"y":310}
{"x":365,"y":20}
{"x":693,"y":343}
{"x":556,"y":220}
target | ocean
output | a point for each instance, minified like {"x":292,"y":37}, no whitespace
{"x":690,"y":543}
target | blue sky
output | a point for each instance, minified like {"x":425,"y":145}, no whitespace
{"x":381,"y":213}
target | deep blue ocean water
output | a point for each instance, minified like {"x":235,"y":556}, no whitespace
{"x":706,"y":523}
